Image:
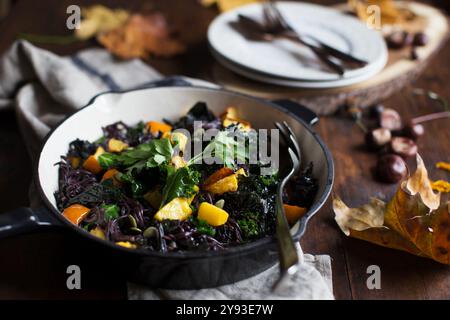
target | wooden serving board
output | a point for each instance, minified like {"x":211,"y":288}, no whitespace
{"x":399,"y":71}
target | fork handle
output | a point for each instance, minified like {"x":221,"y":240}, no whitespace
{"x":304,"y":113}
{"x":287,"y":251}
{"x":319,"y":52}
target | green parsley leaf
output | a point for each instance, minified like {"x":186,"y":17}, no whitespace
{"x":111,"y":211}
{"x":146,"y":155}
{"x":226,"y":148}
{"x":203,"y":227}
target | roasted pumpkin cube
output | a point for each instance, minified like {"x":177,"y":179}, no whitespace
{"x":115,"y":145}
{"x":91,"y":163}
{"x":76,"y":213}
{"x":126,"y":244}
{"x":226,"y":184}
{"x":293,"y":213}
{"x":176,"y":209}
{"x":112,"y":174}
{"x":99,"y":233}
{"x":213,"y":215}
{"x":154,"y":127}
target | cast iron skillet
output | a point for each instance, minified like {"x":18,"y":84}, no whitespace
{"x":181,"y":270}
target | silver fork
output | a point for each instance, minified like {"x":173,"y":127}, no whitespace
{"x":273,"y":16}
{"x":287,"y":252}
{"x":253,"y":30}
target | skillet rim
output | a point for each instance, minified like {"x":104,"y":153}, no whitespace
{"x":232,"y":251}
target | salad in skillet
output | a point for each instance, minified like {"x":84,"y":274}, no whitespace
{"x":134,"y":186}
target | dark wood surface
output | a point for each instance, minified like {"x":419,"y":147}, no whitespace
{"x":34,"y":266}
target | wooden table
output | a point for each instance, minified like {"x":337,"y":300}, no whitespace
{"x":34,"y":266}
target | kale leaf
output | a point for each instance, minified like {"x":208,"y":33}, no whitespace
{"x":179,"y":183}
{"x":250,"y":226}
{"x":98,"y":193}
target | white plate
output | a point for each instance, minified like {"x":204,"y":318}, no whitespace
{"x":284,"y":59}
{"x":297,"y":83}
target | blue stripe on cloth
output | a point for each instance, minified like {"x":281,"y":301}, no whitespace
{"x":166,"y":82}
{"x":106,"y":78}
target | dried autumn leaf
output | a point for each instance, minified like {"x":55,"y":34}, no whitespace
{"x":421,"y":185}
{"x":413,"y":220}
{"x":370,"y":215}
{"x":226,"y":5}
{"x":443,"y":165}
{"x":141,"y":36}
{"x":441,"y":186}
{"x":98,"y":19}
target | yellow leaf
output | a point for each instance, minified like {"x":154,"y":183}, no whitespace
{"x":441,"y":186}
{"x":98,"y":19}
{"x":226,"y":5}
{"x":443,"y":165}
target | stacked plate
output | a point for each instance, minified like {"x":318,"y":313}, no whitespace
{"x":285,"y":63}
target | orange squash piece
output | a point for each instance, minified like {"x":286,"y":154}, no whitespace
{"x":213,"y":215}
{"x":115,"y":145}
{"x":155,"y":127}
{"x":293,"y":213}
{"x":76,"y":213}
{"x":111,"y":174}
{"x":218,"y":175}
{"x":74,"y":162}
{"x":91,"y":163}
{"x":230,"y":116}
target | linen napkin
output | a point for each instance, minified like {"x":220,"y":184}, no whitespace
{"x":311,"y":282}
{"x":43,"y":88}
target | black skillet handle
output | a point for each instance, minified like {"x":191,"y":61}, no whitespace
{"x":26,"y":220}
{"x":299,"y":110}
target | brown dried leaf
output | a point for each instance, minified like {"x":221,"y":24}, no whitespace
{"x":387,"y":238}
{"x":98,"y":19}
{"x":420,"y":184}
{"x":142,"y":36}
{"x":368,"y":216}
{"x":226,"y":5}
{"x":413,"y":221}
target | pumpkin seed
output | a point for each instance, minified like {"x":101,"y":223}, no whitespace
{"x":151,"y":232}
{"x":133,"y":223}
{"x":220,"y":203}
{"x":135,"y":231}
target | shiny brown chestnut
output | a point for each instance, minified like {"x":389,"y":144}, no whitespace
{"x":390,"y":119}
{"x":403,"y":147}
{"x":420,"y":39}
{"x":413,"y":131}
{"x":391,"y":168}
{"x":377,"y":138}
{"x":376,"y":110}
{"x":399,"y":39}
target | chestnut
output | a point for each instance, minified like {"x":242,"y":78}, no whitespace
{"x":391,"y":168}
{"x":403,"y":147}
{"x":376,"y":110}
{"x":377,"y":138}
{"x":399,"y":39}
{"x":390,"y":119}
{"x":414,"y":54}
{"x":420,"y":39}
{"x":413,"y":131}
